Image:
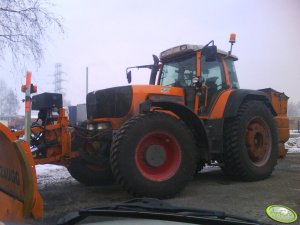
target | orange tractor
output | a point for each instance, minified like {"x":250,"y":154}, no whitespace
{"x":151,"y":139}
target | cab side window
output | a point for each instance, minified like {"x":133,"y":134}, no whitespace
{"x":214,"y":78}
{"x":232,"y":74}
{"x":213,"y":73}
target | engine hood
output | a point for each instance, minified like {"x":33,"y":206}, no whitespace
{"x":117,"y":102}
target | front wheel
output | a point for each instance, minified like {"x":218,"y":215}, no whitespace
{"x":153,"y":155}
{"x":250,"y":143}
{"x":92,"y":166}
{"x":90,"y":174}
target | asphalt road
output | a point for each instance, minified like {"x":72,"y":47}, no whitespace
{"x":210,"y":189}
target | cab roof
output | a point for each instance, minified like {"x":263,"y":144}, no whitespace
{"x":185,"y":49}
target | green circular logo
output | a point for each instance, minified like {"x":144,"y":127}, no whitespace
{"x":281,"y":214}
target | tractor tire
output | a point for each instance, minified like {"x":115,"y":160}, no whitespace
{"x":153,"y":155}
{"x":250,"y":143}
{"x":90,"y":174}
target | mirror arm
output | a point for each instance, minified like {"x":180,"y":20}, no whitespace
{"x":136,"y":67}
{"x":154,"y":69}
{"x":139,"y":67}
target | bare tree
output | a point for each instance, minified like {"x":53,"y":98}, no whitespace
{"x":293,"y":109}
{"x":23,"y":27}
{"x":12,"y":104}
{"x":9,"y":104}
{"x":3,"y":91}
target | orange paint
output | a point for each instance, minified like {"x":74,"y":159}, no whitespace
{"x":141,"y":93}
{"x":27,"y":105}
{"x":19,"y":195}
{"x":226,"y":73}
{"x":28,"y":79}
{"x":198,"y":69}
{"x":206,"y":95}
{"x":219,"y":105}
{"x":28,"y":85}
{"x":60,"y":153}
{"x":33,"y":205}
{"x":11,"y":209}
{"x":196,"y":108}
{"x":198,"y":74}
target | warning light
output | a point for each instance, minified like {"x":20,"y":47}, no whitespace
{"x":232,"y":38}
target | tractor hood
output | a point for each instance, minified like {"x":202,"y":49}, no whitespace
{"x":117,"y":102}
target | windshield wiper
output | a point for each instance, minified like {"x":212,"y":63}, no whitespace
{"x":149,"y":208}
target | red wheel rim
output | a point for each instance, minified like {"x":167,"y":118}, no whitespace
{"x":158,"y":156}
{"x":258,"y":141}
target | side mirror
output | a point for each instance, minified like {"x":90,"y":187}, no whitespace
{"x":128,"y":76}
{"x":211,"y":53}
{"x":195,"y":80}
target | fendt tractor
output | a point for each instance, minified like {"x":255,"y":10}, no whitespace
{"x":151,"y":139}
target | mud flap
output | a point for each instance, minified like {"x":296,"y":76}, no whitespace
{"x":19,"y":196}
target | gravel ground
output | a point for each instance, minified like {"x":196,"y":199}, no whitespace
{"x":210,"y":189}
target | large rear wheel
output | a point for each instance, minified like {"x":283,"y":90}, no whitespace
{"x":250,"y":143}
{"x":153,"y":155}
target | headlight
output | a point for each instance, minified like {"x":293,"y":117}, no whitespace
{"x":90,"y":126}
{"x":103,"y":126}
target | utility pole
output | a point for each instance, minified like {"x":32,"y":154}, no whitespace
{"x":87,"y":80}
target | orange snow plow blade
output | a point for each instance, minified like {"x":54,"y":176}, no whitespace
{"x":19,"y":196}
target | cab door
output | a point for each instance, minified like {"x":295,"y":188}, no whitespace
{"x":214,"y":82}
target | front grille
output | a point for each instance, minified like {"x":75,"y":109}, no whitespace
{"x":112,"y":102}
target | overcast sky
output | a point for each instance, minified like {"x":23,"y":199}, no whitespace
{"x":108,"y":36}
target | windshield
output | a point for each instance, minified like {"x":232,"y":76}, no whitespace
{"x":179,"y":72}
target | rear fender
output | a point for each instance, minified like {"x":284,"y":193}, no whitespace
{"x":237,"y":97}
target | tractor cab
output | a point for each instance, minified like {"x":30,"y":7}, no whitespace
{"x":204,"y":73}
{"x":199,"y":72}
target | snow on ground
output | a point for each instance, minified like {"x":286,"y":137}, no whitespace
{"x":50,"y":174}
{"x":43,"y":170}
{"x":208,"y":168}
{"x":293,"y":145}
